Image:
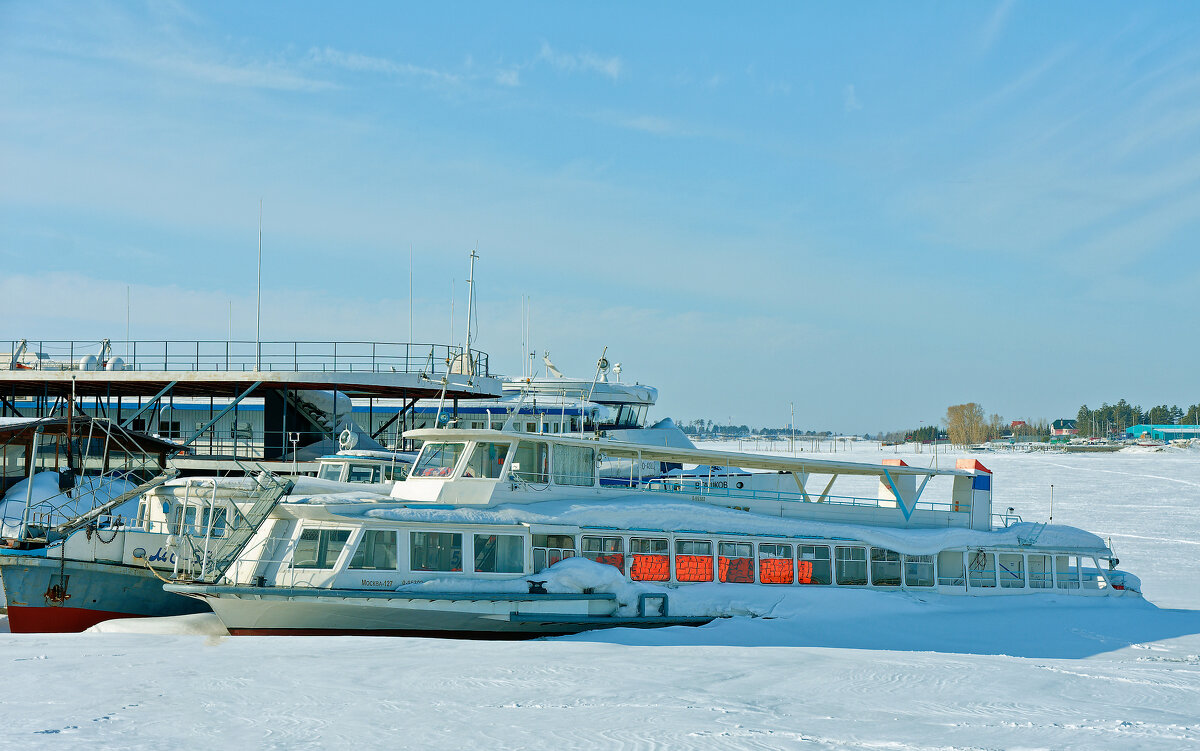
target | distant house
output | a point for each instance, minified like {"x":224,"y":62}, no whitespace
{"x":1063,"y":427}
{"x":1016,"y":424}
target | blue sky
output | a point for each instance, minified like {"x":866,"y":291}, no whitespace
{"x":873,"y":210}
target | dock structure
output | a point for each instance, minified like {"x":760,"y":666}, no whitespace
{"x":132,"y":382}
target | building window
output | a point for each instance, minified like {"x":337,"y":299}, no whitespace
{"x":775,"y":564}
{"x":435,"y":551}
{"x":499,"y":554}
{"x":376,"y":551}
{"x":850,"y":565}
{"x":319,"y":548}
{"x":693,"y":561}
{"x":885,"y":567}
{"x":650,"y":559}
{"x":610,"y":550}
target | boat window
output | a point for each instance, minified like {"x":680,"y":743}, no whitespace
{"x":195,"y":521}
{"x":330,"y":471}
{"x":438,"y":459}
{"x":693,"y":561}
{"x":650,"y":559}
{"x":918,"y":570}
{"x":1066,"y":571}
{"x":610,"y":550}
{"x":850,"y":564}
{"x":813,"y":566}
{"x":950,"y":569}
{"x":376,"y":551}
{"x":319,"y":548}
{"x":885,"y":567}
{"x":981,"y":569}
{"x":1011,"y":570}
{"x":1040,"y":576}
{"x":550,"y":549}
{"x":365,"y":473}
{"x":619,"y":469}
{"x":775,"y":564}
{"x":735,"y":562}
{"x":574,"y":465}
{"x":486,"y":460}
{"x":531,"y":462}
{"x":500,"y":554}
{"x":435,"y":551}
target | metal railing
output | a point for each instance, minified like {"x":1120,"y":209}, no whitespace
{"x":244,"y":356}
{"x":690,"y":487}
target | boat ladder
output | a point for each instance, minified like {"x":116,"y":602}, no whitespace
{"x":1033,"y":535}
{"x":210,"y":565}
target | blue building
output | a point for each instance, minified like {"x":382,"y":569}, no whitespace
{"x":1164,"y":432}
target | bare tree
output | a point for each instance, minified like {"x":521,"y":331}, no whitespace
{"x":965,"y":424}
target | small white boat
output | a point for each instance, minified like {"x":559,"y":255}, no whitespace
{"x":476,"y":541}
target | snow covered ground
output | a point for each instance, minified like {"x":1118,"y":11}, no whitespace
{"x":828,"y":669}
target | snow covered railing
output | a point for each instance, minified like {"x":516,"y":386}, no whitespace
{"x":687,"y":487}
{"x":244,"y":356}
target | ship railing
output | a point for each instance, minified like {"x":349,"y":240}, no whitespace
{"x":705,"y":489}
{"x":1006,"y":520}
{"x":247,"y":356}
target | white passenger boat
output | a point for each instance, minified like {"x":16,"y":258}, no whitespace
{"x":510,"y":535}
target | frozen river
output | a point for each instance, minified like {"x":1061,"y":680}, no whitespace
{"x":828,"y":670}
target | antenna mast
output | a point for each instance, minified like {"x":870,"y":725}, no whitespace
{"x":258,"y":326}
{"x":470,"y":308}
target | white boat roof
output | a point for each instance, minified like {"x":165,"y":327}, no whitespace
{"x":794,"y":464}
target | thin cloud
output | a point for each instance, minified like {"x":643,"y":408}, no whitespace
{"x":995,"y":25}
{"x":650,"y":124}
{"x":850,"y":99}
{"x":612,"y":67}
{"x":358,"y":63}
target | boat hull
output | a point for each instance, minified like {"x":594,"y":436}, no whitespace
{"x":278,"y":611}
{"x":94,"y":592}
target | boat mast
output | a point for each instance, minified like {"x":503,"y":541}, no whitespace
{"x":258,"y":325}
{"x":470,"y":312}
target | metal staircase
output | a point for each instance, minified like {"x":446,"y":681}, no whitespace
{"x":210,"y":565}
{"x":319,"y":420}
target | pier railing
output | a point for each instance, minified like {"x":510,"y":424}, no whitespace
{"x":243,"y":356}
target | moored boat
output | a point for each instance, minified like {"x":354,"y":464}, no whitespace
{"x":478,"y":541}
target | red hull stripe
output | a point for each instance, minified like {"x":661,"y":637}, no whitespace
{"x":30,"y":620}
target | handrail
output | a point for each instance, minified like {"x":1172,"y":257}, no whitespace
{"x":244,"y":356}
{"x":688,"y":487}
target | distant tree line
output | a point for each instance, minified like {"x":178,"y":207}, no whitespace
{"x":708,"y":428}
{"x":1110,"y":419}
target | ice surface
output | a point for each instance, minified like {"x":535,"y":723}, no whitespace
{"x":829,"y":669}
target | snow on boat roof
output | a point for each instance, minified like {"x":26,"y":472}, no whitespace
{"x":656,"y":515}
{"x":649,"y":452}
